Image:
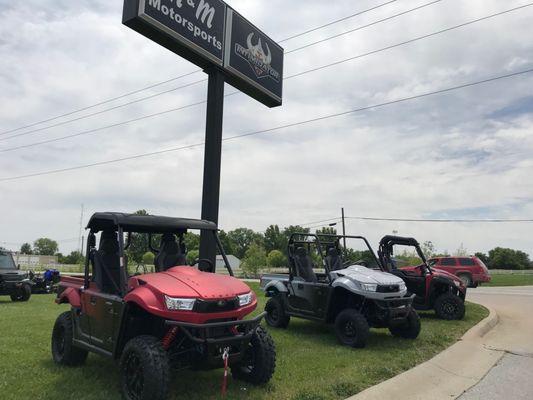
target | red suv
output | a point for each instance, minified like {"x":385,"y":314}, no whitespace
{"x":471,"y":270}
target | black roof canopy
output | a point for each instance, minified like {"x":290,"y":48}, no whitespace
{"x":145,"y":223}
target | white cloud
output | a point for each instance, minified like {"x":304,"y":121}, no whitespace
{"x":455,"y":155}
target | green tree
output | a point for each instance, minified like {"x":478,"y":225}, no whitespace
{"x":26,"y":249}
{"x":276,"y":259}
{"x":243,"y":238}
{"x":192,"y":241}
{"x":74,"y":257}
{"x":483,"y":257}
{"x":226,"y":242}
{"x":45,"y":247}
{"x":148,"y":258}
{"x":138,"y":244}
{"x":275,"y":239}
{"x":254,"y":259}
{"x":291,"y":229}
{"x":192,"y":256}
{"x":505,"y":258}
{"x":326,"y":230}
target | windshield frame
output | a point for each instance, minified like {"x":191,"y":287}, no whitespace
{"x":8,"y":257}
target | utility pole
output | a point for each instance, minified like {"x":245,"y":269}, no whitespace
{"x":343,"y":228}
{"x":81,"y":230}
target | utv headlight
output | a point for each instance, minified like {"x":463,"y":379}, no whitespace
{"x":402,"y":286}
{"x":179,"y":304}
{"x":369,"y":287}
{"x":245,"y":299}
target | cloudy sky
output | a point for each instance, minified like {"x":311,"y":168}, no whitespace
{"x":461,"y":154}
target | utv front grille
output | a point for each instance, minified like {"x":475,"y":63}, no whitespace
{"x":388,"y":288}
{"x":214,"y":306}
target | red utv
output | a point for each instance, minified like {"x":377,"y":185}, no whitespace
{"x":471,"y":270}
{"x":434,"y":289}
{"x":176,"y":317}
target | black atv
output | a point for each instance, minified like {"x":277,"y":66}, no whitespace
{"x":13,"y":282}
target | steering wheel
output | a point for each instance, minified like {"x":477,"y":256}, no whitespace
{"x":204,"y":260}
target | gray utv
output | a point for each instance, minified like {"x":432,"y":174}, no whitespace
{"x":347,"y":294}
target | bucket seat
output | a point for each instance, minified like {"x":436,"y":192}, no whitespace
{"x":170,"y":253}
{"x":304,"y":265}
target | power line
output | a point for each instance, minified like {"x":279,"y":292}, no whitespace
{"x":103,"y":111}
{"x":187,"y":74}
{"x":441,"y":220}
{"x":321,"y":221}
{"x":363,"y":26}
{"x":102,"y":102}
{"x":286,"y":78}
{"x":147,"y":97}
{"x":326,"y":117}
{"x":336,"y":21}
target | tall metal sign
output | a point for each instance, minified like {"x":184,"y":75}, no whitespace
{"x":229,"y":49}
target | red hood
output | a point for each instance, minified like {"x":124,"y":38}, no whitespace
{"x":438,"y":271}
{"x":189,"y":282}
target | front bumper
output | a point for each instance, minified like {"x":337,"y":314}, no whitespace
{"x":390,"y":311}
{"x":212,"y":338}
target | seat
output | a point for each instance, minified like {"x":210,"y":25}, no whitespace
{"x":170,"y":253}
{"x":304,"y":265}
{"x":106,"y":262}
{"x":333,"y":259}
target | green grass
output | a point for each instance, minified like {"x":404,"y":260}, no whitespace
{"x":510,"y":280}
{"x":310,"y":363}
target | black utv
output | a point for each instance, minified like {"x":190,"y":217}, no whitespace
{"x":13,"y":282}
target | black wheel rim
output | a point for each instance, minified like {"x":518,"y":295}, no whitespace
{"x":349,"y":330}
{"x":273,"y":314}
{"x":134,"y":377}
{"x":449,"y":308}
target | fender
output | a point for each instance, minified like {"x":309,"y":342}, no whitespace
{"x":69,"y":295}
{"x":274,"y":286}
{"x":145,"y":299}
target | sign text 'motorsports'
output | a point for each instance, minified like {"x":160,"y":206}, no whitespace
{"x":197,"y":26}
{"x":208,"y":32}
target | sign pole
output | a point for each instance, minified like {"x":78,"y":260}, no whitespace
{"x":212,"y":164}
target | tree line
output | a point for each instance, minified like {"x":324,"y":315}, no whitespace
{"x":258,"y":250}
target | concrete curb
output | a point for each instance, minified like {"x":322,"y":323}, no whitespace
{"x":447,"y":375}
{"x":483,"y":327}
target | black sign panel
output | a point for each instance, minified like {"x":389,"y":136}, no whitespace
{"x":253,"y":60}
{"x":197,"y":25}
{"x":207,"y":33}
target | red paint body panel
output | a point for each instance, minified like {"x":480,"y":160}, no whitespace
{"x":148,"y":292}
{"x":417,"y":271}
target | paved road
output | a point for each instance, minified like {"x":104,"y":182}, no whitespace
{"x":512,"y":377}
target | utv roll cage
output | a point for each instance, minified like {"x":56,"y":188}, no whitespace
{"x":386,"y":249}
{"x":110,"y":273}
{"x":329,"y":249}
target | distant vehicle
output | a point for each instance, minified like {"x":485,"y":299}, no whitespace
{"x":13,"y":281}
{"x":471,"y":270}
{"x":349,"y":295}
{"x":434,"y":288}
{"x":45,"y":282}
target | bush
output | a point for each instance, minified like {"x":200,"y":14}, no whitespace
{"x":148,"y":258}
{"x":254,"y":259}
{"x":276,"y":259}
{"x":192,"y":256}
